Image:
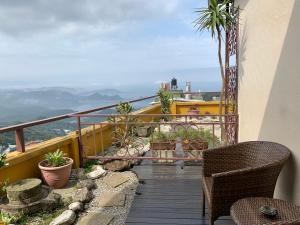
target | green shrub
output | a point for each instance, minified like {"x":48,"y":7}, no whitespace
{"x":89,"y":165}
{"x":6,"y":218}
{"x":2,"y":160}
{"x":194,"y":134}
{"x":160,"y":136}
{"x":55,"y":159}
{"x":165,"y":99}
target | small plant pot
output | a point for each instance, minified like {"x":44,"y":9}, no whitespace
{"x":56,"y":177}
{"x":162,"y":145}
{"x":144,"y":131}
{"x":194,"y":145}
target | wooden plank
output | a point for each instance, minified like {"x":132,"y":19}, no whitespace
{"x":169,"y":195}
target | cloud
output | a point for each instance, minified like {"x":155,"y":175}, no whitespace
{"x":30,"y":16}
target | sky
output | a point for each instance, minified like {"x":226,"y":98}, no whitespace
{"x":105,"y":43}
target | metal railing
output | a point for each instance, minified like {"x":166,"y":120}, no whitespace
{"x":171,"y":137}
{"x":19,"y":128}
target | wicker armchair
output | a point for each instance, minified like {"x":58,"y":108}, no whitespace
{"x":248,"y":169}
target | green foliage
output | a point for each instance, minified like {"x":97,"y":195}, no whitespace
{"x":89,"y":165}
{"x":124,"y":108}
{"x":7,"y":218}
{"x":3,"y":185}
{"x":203,"y":134}
{"x":160,"y":136}
{"x":55,"y":159}
{"x":2,"y":160}
{"x":165,"y":99}
{"x":125,"y":130}
{"x":214,"y":18}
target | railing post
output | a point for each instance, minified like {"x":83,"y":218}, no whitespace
{"x":20,"y":143}
{"x":79,"y":142}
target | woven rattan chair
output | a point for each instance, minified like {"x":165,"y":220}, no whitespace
{"x":248,"y":169}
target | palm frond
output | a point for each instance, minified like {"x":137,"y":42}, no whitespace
{"x":215,"y":17}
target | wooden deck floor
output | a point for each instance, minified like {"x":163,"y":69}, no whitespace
{"x":170,"y":195}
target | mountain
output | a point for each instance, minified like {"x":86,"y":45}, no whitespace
{"x":36,"y":103}
{"x":51,"y":98}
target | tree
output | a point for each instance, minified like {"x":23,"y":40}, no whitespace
{"x":217,"y":19}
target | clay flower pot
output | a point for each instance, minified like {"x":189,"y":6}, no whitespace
{"x":56,"y":177}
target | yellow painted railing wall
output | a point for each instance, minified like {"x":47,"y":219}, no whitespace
{"x":211,"y":107}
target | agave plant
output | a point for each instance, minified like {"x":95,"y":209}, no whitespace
{"x":55,"y":159}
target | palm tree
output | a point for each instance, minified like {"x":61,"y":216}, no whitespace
{"x":216,"y":19}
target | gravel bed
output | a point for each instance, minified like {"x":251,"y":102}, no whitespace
{"x":119,"y":213}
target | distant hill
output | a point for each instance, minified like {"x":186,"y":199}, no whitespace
{"x":50,"y":98}
{"x":34,"y":103}
{"x":12,"y":115}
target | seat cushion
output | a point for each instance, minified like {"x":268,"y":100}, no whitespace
{"x":207,"y":187}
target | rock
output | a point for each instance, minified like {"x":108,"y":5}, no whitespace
{"x":24,"y":191}
{"x":82,"y":195}
{"x":118,"y":165}
{"x":67,"y":191}
{"x":76,"y":206}
{"x":49,"y":201}
{"x":66,"y":218}
{"x":95,"y":218}
{"x":88,"y":183}
{"x":97,"y":173}
{"x":78,"y":174}
{"x":115,"y":180}
{"x":111,"y":199}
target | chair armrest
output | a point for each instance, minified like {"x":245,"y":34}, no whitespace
{"x":241,"y":183}
{"x":221,"y":159}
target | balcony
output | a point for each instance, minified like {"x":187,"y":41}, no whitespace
{"x":171,"y":165}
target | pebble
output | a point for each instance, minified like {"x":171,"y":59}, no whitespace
{"x":76,"y":206}
{"x":82,"y":195}
{"x":66,"y":218}
{"x":97,"y":173}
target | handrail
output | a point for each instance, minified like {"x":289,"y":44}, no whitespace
{"x":18,"y":128}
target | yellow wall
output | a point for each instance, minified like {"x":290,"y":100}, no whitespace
{"x":25,"y":165}
{"x":269,"y":81}
{"x":203,"y":107}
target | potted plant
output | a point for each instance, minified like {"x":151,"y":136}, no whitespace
{"x":56,"y":169}
{"x":192,"y":139}
{"x":162,"y":141}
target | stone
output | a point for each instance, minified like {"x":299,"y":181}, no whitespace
{"x":76,"y":206}
{"x":67,"y":191}
{"x":78,"y":174}
{"x":24,"y":191}
{"x":118,"y":165}
{"x":82,"y":195}
{"x":95,"y":218}
{"x":115,"y":180}
{"x":88,"y":183}
{"x":68,"y":217}
{"x":97,"y":173}
{"x":111,"y":199}
{"x":49,"y":201}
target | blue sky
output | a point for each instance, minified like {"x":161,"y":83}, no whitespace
{"x":103,"y":43}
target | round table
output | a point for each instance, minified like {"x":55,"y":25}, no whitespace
{"x":246,"y":212}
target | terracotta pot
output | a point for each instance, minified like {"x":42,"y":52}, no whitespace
{"x":163,"y":145}
{"x":56,"y":177}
